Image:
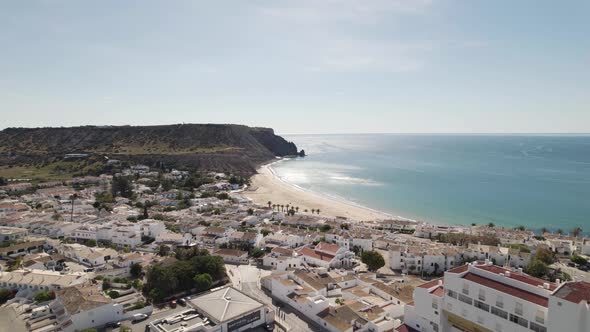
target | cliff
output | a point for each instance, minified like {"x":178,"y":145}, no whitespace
{"x":219,"y":147}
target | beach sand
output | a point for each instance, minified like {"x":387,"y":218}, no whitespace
{"x":265,"y":186}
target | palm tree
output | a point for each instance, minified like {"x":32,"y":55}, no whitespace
{"x":297,"y":209}
{"x":274,"y":206}
{"x":317,"y":211}
{"x":576,"y":231}
{"x":287,"y":207}
{"x":312,"y":211}
{"x":282,"y":208}
{"x":491,"y":225}
{"x":306,"y":210}
{"x":269,"y":204}
{"x":560,"y":231}
{"x":73,"y":198}
{"x":544,"y":230}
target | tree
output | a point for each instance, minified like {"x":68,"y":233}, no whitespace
{"x":544,"y":255}
{"x":520,"y":228}
{"x":373,"y":259}
{"x":269,"y":204}
{"x":113,"y":294}
{"x":325,"y":228}
{"x":44,"y":296}
{"x":203,"y":281}
{"x":106,"y":284}
{"x":135,"y":270}
{"x":163,"y":250}
{"x":121,"y":186}
{"x":265,"y":232}
{"x":73,"y":199}
{"x":579,"y":260}
{"x":560,"y":231}
{"x":317,"y":211}
{"x":6,"y":294}
{"x":256,"y":252}
{"x":90,"y":243}
{"x":576,"y":231}
{"x":544,"y":230}
{"x":222,"y":196}
{"x":536,"y":268}
{"x":491,"y":225}
{"x":250,"y":211}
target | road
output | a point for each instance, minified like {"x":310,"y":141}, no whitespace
{"x":577,"y":275}
{"x":140,"y":326}
{"x":247,"y":279}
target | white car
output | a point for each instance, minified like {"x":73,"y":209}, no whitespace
{"x":139,"y":317}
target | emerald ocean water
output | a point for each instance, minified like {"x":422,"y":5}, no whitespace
{"x":535,"y":181}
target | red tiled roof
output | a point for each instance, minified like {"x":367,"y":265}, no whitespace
{"x":306,"y":251}
{"x":405,"y":328}
{"x":328,"y":247}
{"x":459,"y":269}
{"x":510,"y":290}
{"x":438,"y":291}
{"x":575,"y":292}
{"x":282,"y":250}
{"x":431,"y":283}
{"x":517,"y":276}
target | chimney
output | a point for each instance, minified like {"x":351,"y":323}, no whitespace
{"x":440,"y":283}
{"x":558,"y":282}
{"x":546,"y":285}
{"x":507,"y":274}
{"x":520,"y":270}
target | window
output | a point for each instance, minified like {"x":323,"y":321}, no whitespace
{"x":519,"y":320}
{"x":481,"y":305}
{"x":499,"y":313}
{"x":434,"y":304}
{"x":465,"y":299}
{"x":465,"y":288}
{"x":538,"y":328}
{"x":499,"y":302}
{"x":482,"y":294}
{"x":518,"y":308}
{"x":540,"y":317}
{"x":434,"y":326}
{"x":452,"y":294}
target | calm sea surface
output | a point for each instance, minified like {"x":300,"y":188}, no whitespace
{"x":525,"y":180}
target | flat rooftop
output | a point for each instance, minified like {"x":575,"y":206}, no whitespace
{"x":224,"y":304}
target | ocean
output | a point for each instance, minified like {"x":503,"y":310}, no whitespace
{"x":534,"y":181}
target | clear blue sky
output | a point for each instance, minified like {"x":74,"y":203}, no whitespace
{"x":300,"y":66}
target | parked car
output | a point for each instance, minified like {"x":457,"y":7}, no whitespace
{"x":583,"y":268}
{"x":172,"y":304}
{"x":182,"y":302}
{"x":138,"y":317}
{"x":113,"y":325}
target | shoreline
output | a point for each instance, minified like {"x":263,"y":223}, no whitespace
{"x":268,"y":186}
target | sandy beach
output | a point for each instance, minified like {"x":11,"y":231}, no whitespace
{"x":265,"y":186}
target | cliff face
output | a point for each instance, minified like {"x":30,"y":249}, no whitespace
{"x":232,"y":148}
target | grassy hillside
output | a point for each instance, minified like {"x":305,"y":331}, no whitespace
{"x":231,"y":148}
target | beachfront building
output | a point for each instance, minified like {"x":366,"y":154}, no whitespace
{"x":486,"y":297}
{"x":416,"y":259}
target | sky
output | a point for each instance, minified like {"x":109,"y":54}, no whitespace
{"x":299,"y":66}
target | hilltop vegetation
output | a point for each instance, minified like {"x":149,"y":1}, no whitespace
{"x":228,"y":148}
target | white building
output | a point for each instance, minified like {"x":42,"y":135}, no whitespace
{"x":12,"y":234}
{"x":485,"y":297}
{"x":327,"y":255}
